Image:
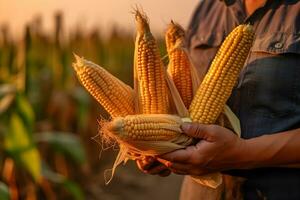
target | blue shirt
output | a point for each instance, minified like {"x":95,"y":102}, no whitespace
{"x":266,"y":98}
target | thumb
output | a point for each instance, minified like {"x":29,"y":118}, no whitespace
{"x":196,"y":130}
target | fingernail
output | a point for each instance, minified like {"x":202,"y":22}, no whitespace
{"x":164,"y":162}
{"x":168,"y":164}
{"x":161,"y":160}
{"x":186,"y":126}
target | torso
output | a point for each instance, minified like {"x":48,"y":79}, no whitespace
{"x":267,"y":96}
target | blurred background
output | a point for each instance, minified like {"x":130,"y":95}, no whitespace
{"x":49,"y":148}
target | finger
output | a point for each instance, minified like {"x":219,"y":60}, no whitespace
{"x":184,"y":169}
{"x":156,"y":169}
{"x":200,"y":172}
{"x":145,"y":163}
{"x":182,"y":155}
{"x":149,"y":159}
{"x":165,"y":173}
{"x":196,"y":130}
{"x":179,"y":172}
{"x":148,"y":162}
{"x":180,"y":167}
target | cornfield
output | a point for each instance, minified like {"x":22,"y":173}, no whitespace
{"x":49,"y":148}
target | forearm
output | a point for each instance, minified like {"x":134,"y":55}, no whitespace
{"x":276,"y":150}
{"x":219,"y":149}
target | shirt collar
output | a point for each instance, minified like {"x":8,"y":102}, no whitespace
{"x":239,"y":10}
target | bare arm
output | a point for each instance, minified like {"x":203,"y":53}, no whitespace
{"x":276,"y":150}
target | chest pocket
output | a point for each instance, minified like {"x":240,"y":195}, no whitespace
{"x":270,"y":82}
{"x":203,"y":49}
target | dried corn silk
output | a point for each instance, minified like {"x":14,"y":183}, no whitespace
{"x":145,"y":135}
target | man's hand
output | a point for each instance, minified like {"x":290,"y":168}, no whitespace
{"x":150,"y":165}
{"x":218,"y":149}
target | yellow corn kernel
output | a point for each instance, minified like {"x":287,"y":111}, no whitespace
{"x":218,"y":83}
{"x":114,"y":95}
{"x":149,"y":71}
{"x":146,"y":127}
{"x":179,"y":66}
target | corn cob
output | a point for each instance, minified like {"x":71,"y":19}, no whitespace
{"x":148,"y":134}
{"x":115,"y":96}
{"x":151,"y":127}
{"x":179,"y":66}
{"x":218,"y":83}
{"x":149,"y":70}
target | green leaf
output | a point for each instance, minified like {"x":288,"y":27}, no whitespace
{"x":73,"y":188}
{"x":68,"y":185}
{"x":4,"y":192}
{"x":25,"y":111}
{"x":83,"y":102}
{"x":31,"y":160}
{"x":63,"y":142}
{"x":18,"y":143}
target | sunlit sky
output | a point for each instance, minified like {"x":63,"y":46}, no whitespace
{"x":89,"y":13}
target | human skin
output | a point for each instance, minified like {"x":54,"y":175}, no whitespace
{"x":150,"y":165}
{"x":219,"y":149}
{"x":275,"y":150}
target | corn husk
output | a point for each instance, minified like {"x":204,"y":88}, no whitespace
{"x":132,"y":150}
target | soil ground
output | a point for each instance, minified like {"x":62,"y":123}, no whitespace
{"x":131,"y":184}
